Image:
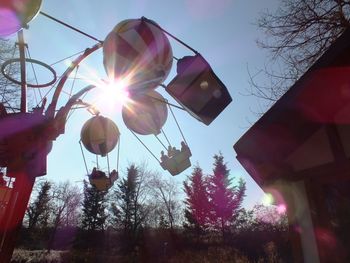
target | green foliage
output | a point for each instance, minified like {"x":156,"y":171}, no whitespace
{"x":94,"y":206}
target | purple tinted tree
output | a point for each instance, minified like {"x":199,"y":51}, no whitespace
{"x":197,"y":202}
{"x":225,"y":199}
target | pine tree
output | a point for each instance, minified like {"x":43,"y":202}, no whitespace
{"x":130,"y":210}
{"x":38,"y":212}
{"x":225,"y":199}
{"x":197,"y":202}
{"x":94,"y":206}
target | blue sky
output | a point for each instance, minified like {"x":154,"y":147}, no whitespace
{"x":223,"y":31}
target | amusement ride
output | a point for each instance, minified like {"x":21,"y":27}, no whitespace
{"x":137,"y":57}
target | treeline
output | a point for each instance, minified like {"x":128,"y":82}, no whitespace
{"x":150,"y":217}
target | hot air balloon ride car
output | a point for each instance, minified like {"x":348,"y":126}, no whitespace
{"x":16,"y":14}
{"x":138,"y":51}
{"x":176,"y":161}
{"x":146,"y":114}
{"x":99,"y":136}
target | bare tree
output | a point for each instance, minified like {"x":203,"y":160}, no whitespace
{"x":297,"y":34}
{"x":67,"y":199}
{"x":9,"y":92}
{"x":66,"y":202}
{"x":165,"y":198}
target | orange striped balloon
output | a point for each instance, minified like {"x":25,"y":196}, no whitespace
{"x":146,"y":114}
{"x":99,"y":135}
{"x":138,"y":51}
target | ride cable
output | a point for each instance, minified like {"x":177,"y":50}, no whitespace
{"x":82,"y":152}
{"x":70,"y":27}
{"x":177,"y":123}
{"x":118,"y":155}
{"x":161,"y":141}
{"x":165,"y":136}
{"x":169,"y":34}
{"x":144,"y":145}
{"x":35,"y":76}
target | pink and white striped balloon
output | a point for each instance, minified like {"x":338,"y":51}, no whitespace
{"x":138,"y":51}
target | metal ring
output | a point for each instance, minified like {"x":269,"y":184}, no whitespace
{"x":14,"y":60}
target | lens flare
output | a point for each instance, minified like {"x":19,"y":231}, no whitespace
{"x":114,"y":92}
{"x":281,"y":209}
{"x":268,"y":199}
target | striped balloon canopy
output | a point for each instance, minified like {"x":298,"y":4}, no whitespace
{"x":145,"y":114}
{"x":14,"y":14}
{"x":138,"y":51}
{"x":99,"y":135}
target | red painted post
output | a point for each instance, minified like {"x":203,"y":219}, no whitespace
{"x":11,"y":222}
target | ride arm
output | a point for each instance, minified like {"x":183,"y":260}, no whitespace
{"x":50,"y":112}
{"x":61,"y":116}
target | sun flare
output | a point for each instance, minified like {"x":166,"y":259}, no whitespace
{"x":113,"y":94}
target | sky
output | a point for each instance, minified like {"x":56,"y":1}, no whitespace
{"x":223,"y":31}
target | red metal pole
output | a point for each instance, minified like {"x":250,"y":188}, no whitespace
{"x":11,"y":221}
{"x":15,"y":210}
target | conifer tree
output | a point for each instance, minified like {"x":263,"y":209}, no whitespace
{"x":39,"y":210}
{"x":94,"y":206}
{"x":225,"y":199}
{"x":197,"y":202}
{"x":129,"y":210}
{"x":38,"y":214}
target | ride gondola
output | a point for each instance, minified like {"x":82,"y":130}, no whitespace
{"x":139,"y":51}
{"x":99,"y":136}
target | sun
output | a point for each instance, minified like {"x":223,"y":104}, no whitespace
{"x":113,"y":94}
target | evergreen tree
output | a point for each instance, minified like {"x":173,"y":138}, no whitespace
{"x":225,"y":199}
{"x":130,"y":211}
{"x":94,"y":205}
{"x":163,"y":223}
{"x":197,"y":202}
{"x":38,"y":212}
{"x":114,"y":220}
